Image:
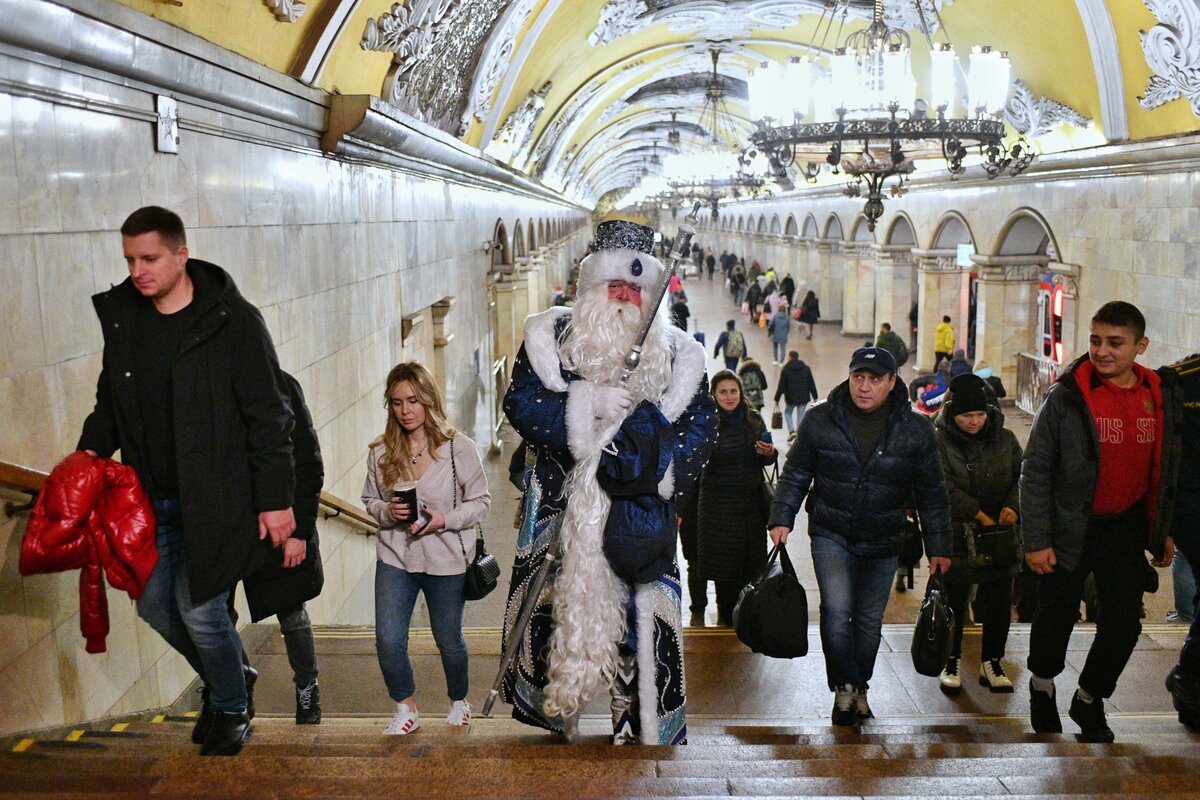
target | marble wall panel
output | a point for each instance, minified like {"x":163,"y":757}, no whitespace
{"x":14,"y":635}
{"x":30,"y":693}
{"x":65,"y":287}
{"x":10,"y":214}
{"x":99,"y":158}
{"x":37,"y":165}
{"x":221,"y":181}
{"x":22,"y":338}
{"x":94,"y":682}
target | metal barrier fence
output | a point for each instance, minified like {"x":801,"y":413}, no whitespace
{"x":1034,"y":376}
{"x":499,"y":387}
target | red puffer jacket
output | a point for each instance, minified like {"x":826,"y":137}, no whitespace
{"x":92,"y":514}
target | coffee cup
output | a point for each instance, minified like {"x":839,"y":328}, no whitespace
{"x":406,"y":492}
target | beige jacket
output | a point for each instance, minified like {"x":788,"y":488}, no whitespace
{"x":435,"y":553}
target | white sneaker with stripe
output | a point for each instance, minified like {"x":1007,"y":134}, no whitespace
{"x":404,"y":722}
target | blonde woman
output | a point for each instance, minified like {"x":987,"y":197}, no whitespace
{"x":422,"y":548}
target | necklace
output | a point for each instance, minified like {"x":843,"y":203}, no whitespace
{"x":419,"y":453}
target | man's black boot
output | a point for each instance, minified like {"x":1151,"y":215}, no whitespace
{"x":251,"y":677}
{"x":308,"y":704}
{"x":1043,"y":711}
{"x":230,"y":730}
{"x":204,"y":722}
{"x":1185,"y":694}
{"x":1090,"y":719}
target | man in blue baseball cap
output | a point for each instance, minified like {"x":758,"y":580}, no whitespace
{"x":861,"y":458}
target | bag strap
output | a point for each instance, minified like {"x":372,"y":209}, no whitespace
{"x":785,"y":562}
{"x":454,"y":472}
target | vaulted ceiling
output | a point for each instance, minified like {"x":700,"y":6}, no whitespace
{"x":578,"y":93}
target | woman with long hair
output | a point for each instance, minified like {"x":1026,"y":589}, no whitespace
{"x":810,"y":311}
{"x":731,"y":540}
{"x":422,"y":546}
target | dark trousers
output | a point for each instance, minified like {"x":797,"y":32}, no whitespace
{"x":937,"y":359}
{"x":1112,"y":550}
{"x":727,"y":597}
{"x":697,"y":589}
{"x":992,"y":601}
{"x":1189,"y":656}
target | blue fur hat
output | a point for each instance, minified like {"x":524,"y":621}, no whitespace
{"x":622,"y":254}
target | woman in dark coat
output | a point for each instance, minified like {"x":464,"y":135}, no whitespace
{"x":731,"y":541}
{"x":981,"y":460}
{"x":810,"y":311}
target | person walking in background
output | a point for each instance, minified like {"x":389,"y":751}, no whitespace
{"x":787,"y":289}
{"x":737,"y":281}
{"x":732,"y":508}
{"x":778,"y":329}
{"x":913,"y":316}
{"x":981,"y":460}
{"x":797,"y":388}
{"x":810,"y":312}
{"x":422,"y":548}
{"x":733,"y":343}
{"x":710,"y":261}
{"x":891,"y":341}
{"x":754,"y":382}
{"x":754,"y":299}
{"x":959,"y":365}
{"x":866,"y":456}
{"x":680,"y":312}
{"x":943,"y":342}
{"x":1089,"y":480}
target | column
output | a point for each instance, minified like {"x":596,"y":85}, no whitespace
{"x":895,"y":272}
{"x":441,"y":338}
{"x":942,"y":288}
{"x":505,"y":328}
{"x":520,"y":301}
{"x":827,"y":280}
{"x":858,"y":289}
{"x":1006,"y":311}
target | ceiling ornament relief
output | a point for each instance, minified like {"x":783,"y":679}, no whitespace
{"x":1032,"y":116}
{"x":1172,"y":49}
{"x":552,"y":138}
{"x":286,"y":10}
{"x":496,"y":57}
{"x":516,"y":134}
{"x":739,"y":17}
{"x":435,"y":45}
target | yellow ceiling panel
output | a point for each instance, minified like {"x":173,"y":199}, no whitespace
{"x":1129,"y":18}
{"x":350,"y":69}
{"x":247,"y":27}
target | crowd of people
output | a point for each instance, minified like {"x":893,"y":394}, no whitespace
{"x":617,"y":464}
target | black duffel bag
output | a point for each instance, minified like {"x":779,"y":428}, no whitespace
{"x":771,"y":615}
{"x":934,"y":632}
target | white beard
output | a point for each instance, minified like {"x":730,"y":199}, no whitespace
{"x":589,"y":599}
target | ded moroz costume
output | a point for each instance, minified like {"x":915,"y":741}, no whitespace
{"x":603,"y":465}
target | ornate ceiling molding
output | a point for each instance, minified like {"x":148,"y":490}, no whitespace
{"x":497,"y":54}
{"x":552,"y":138}
{"x":621,"y":18}
{"x":286,"y":10}
{"x":1106,"y":62}
{"x":1033,"y":116}
{"x":515,"y":136}
{"x":323,"y":33}
{"x":435,"y":45}
{"x":1172,"y":49}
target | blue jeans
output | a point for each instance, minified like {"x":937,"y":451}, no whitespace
{"x":395,"y":597}
{"x":1185,"y":586}
{"x":203,"y":634}
{"x":797,"y":410}
{"x":854,"y":592}
{"x":778,"y":348}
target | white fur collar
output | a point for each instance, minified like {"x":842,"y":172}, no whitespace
{"x":541,"y":346}
{"x":687,"y":372}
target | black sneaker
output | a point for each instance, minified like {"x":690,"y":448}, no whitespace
{"x":1043,"y":711}
{"x":308,"y":704}
{"x":204,"y":722}
{"x":1185,"y":694}
{"x":845,"y":706}
{"x":1090,"y":719}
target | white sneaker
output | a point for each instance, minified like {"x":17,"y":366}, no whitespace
{"x":405,"y":722}
{"x":460,"y":713}
{"x":991,"y":675}
{"x":950,"y":681}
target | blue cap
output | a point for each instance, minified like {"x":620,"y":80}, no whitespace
{"x":876,"y":359}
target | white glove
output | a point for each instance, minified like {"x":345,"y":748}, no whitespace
{"x":610,"y":404}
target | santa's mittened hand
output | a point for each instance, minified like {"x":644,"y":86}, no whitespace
{"x":611,"y":403}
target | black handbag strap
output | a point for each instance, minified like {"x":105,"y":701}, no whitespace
{"x":785,"y":562}
{"x":478,"y":528}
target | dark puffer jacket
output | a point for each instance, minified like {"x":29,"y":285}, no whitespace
{"x":796,"y":384}
{"x":862,"y":505}
{"x":1062,"y":462}
{"x":731,"y":541}
{"x":993,"y":458}
{"x":1179,"y":493}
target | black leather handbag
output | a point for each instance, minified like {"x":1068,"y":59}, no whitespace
{"x":934,"y":632}
{"x":993,"y":545}
{"x":484,"y":571}
{"x":771,"y":615}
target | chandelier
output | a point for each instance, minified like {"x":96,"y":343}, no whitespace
{"x":874,"y":126}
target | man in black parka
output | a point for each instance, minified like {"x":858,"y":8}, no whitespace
{"x":867,"y":456}
{"x":189,"y":393}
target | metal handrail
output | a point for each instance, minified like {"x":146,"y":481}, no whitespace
{"x":23,"y":479}
{"x":1035,"y":374}
{"x":352,"y":513}
{"x":500,"y":384}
